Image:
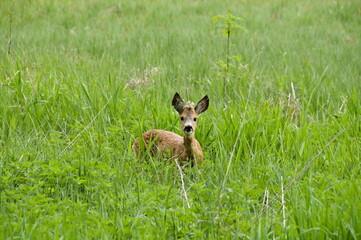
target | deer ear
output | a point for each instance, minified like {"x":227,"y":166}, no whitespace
{"x":178,"y":103}
{"x":202,"y":105}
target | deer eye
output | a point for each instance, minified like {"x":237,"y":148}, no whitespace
{"x":182,"y":118}
{"x":194,"y":119}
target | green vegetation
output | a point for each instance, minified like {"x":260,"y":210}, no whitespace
{"x":80,"y":80}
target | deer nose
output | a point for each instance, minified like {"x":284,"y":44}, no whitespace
{"x":188,"y":128}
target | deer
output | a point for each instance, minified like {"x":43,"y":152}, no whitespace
{"x":184,"y":149}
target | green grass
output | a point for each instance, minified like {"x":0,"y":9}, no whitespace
{"x":83,"y":79}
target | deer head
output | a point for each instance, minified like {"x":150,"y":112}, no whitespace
{"x":188,"y":113}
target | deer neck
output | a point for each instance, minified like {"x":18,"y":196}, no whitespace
{"x":189,"y":144}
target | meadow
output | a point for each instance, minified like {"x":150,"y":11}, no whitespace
{"x":80,"y":80}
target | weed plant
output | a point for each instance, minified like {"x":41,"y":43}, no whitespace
{"x":80,"y":80}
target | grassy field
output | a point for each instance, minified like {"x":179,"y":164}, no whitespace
{"x":80,"y":80}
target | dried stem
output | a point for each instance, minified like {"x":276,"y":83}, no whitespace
{"x":283,"y":207}
{"x":182,"y":180}
{"x":10,"y":32}
{"x":265,"y":201}
{"x":226,"y":76}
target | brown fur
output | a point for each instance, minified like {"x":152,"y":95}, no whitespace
{"x":168,"y":144}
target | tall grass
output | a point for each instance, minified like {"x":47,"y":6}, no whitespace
{"x":83,"y":79}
